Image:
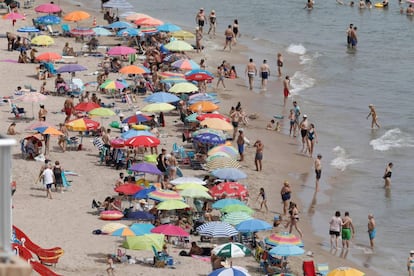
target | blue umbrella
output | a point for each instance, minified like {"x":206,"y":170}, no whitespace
{"x":48,"y":20}
{"x":144,"y":193}
{"x":229,"y":173}
{"x":168,"y":27}
{"x":253,"y":225}
{"x":133,"y":133}
{"x":119,"y":25}
{"x":28,"y":29}
{"x":129,"y":32}
{"x":162,"y":97}
{"x":145,"y":168}
{"x":139,"y":215}
{"x":286,"y":250}
{"x":141,"y":228}
{"x":219,"y":204}
{"x":231,"y":271}
{"x":69,"y":68}
{"x":99,"y":31}
{"x":209,"y":138}
{"x":203,"y":97}
{"x":217,"y":229}
{"x":136,"y":119}
{"x":192,"y":118}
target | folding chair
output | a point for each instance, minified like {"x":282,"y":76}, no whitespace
{"x":322,"y":269}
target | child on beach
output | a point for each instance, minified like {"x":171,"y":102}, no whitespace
{"x":292,"y":120}
{"x":263,"y":202}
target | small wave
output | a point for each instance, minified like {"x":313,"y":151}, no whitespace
{"x":309,"y":59}
{"x":393,"y":138}
{"x":298,"y":49}
{"x":341,"y":162}
{"x":300,"y":81}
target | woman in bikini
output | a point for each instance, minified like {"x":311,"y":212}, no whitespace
{"x":294,"y":219}
{"x":285,"y":193}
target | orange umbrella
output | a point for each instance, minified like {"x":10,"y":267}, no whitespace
{"x":48,"y":56}
{"x":148,"y":21}
{"x":132,"y":69}
{"x":203,"y":106}
{"x":76,"y":16}
{"x":136,"y":16}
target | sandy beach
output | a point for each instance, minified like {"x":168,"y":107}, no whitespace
{"x":68,"y":219}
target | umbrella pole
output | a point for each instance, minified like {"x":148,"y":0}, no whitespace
{"x":32,"y":111}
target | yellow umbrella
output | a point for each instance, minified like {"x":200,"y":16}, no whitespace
{"x":203,"y":106}
{"x":195,"y":193}
{"x":42,"y":40}
{"x":140,"y":127}
{"x":183,"y":35}
{"x":183,"y":87}
{"x":191,"y":186}
{"x":101,"y":112}
{"x":158,"y":107}
{"x":218,"y":124}
{"x":345,"y":271}
{"x":172,"y":204}
{"x":222,"y":162}
{"x":144,"y":242}
{"x":178,"y":46}
{"x":111,"y":227}
{"x":76,"y":16}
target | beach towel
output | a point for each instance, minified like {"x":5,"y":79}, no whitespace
{"x":206,"y":259}
{"x":65,"y":181}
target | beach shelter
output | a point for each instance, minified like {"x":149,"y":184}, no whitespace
{"x":217,"y":229}
{"x":231,"y":250}
{"x":172,"y":205}
{"x":253,"y":225}
{"x":345,"y":271}
{"x":186,"y":180}
{"x":76,"y":16}
{"x":178,"y":46}
{"x":144,"y":242}
{"x":42,"y":40}
{"x":170,"y":230}
{"x":164,"y":195}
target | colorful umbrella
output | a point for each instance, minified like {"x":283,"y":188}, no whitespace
{"x":158,"y":107}
{"x":142,"y":141}
{"x":80,"y":31}
{"x":345,"y":271}
{"x":76,"y":16}
{"x":134,"y":133}
{"x":217,"y":229}
{"x":42,"y":40}
{"x":231,"y":250}
{"x":191,"y":186}
{"x":209,"y":138}
{"x":48,"y":130}
{"x":224,"y":148}
{"x":119,"y":25}
{"x":237,"y":208}
{"x":185,"y":64}
{"x":99,"y":31}
{"x":141,"y":228}
{"x":168,"y":27}
{"x":216,"y":123}
{"x":182,"y":35}
{"x":222,"y":162}
{"x":203,"y":117}
{"x":38,"y":124}
{"x":218,"y":154}
{"x":195,"y":193}
{"x":136,"y":119}
{"x":183,"y":87}
{"x":229,"y":173}
{"x":136,"y":16}
{"x":219,"y":204}
{"x":253,"y":225}
{"x":144,"y":193}
{"x":121,"y":51}
{"x":13,"y":16}
{"x":144,"y":242}
{"x":111,"y":227}
{"x":86,"y":106}
{"x":199,"y":75}
{"x":231,"y":271}
{"x":170,"y":230}
{"x":123,"y":232}
{"x":48,"y":20}
{"x":209,"y":130}
{"x":117,"y":143}
{"x":165,"y":195}
{"x":162,"y":97}
{"x":281,"y":238}
{"x":169,"y":74}
{"x":186,"y":180}
{"x":101,"y":112}
{"x":172,"y":205}
{"x":48,"y":56}
{"x":178,"y":46}
{"x":144,"y":167}
{"x":82,"y":124}
{"x":148,"y":21}
{"x":128,"y":189}
{"x":231,"y":189}
{"x":118,"y":4}
{"x":235,"y":218}
{"x":139,"y":215}
{"x":48,"y":8}
{"x":202,"y":98}
{"x":141,"y":127}
{"x":111,"y":84}
{"x":70,"y":68}
{"x":286,"y":250}
{"x":133,"y":69}
{"x":191,"y":118}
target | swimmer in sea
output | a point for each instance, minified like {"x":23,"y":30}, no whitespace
{"x":387,"y":175}
{"x":373,"y":115}
{"x":265,"y":73}
{"x":309,"y":5}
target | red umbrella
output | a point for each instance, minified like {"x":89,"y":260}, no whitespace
{"x":117,"y":143}
{"x":128,"y":189}
{"x":199,"y":77}
{"x":48,"y":8}
{"x":142,"y":141}
{"x":48,"y":56}
{"x":230,"y":189}
{"x":212,"y":115}
{"x":82,"y":124}
{"x":86,"y":106}
{"x":170,"y":230}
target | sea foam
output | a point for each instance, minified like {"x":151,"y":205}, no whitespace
{"x":341,"y":162}
{"x":393,"y":138}
{"x":300,"y":81}
{"x":298,"y":49}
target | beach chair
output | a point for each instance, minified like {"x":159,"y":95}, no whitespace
{"x":159,"y":258}
{"x":51,"y":31}
{"x":18,"y":111}
{"x":322,"y":269}
{"x":309,"y":268}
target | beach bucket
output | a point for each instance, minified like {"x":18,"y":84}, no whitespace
{"x":170,"y":261}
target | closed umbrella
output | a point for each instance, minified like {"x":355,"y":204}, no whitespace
{"x":172,"y":205}
{"x":48,"y":8}
{"x":162,"y":97}
{"x":183,"y":87}
{"x":158,"y":107}
{"x":42,"y":40}
{"x":142,"y":141}
{"x":164,"y":195}
{"x":219,"y":204}
{"x":253,"y":225}
{"x":48,"y":20}
{"x":144,"y":167}
{"x":186,"y":180}
{"x":178,"y":46}
{"x":170,"y":230}
{"x":231,"y":250}
{"x":235,"y":218}
{"x":345,"y":271}
{"x":230,"y":189}
{"x":144,"y":242}
{"x":70,"y":68}
{"x":217,"y":229}
{"x":229,"y":173}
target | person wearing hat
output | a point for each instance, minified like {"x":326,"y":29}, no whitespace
{"x":213,"y":23}
{"x":200,"y":19}
{"x":410,"y":263}
{"x":142,"y":205}
{"x":373,"y":115}
{"x":304,"y":131}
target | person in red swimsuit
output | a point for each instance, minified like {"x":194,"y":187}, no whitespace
{"x":286,"y":91}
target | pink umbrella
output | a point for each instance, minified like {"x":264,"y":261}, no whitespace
{"x":170,"y":230}
{"x":48,"y":8}
{"x":121,"y":50}
{"x":118,"y":143}
{"x":82,"y":31}
{"x":13,"y":16}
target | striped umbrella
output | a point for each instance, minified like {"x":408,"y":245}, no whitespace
{"x":172,"y":205}
{"x":217,"y":155}
{"x":235,"y":218}
{"x":119,"y":25}
{"x":217,"y":229}
{"x":231,"y":250}
{"x":195,"y":193}
{"x":230,"y":150}
{"x":219,"y":204}
{"x":283,"y":238}
{"x":209,"y":130}
{"x":185,"y":64}
{"x":79,"y":31}
{"x":123,"y":232}
{"x":163,"y":195}
{"x":111,"y":84}
{"x":222,"y":162}
{"x":111,"y":227}
{"x":237,"y":208}
{"x":134,"y":133}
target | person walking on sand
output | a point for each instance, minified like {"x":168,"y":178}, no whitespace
{"x":387,"y":175}
{"x":236,"y":117}
{"x":220,"y":74}
{"x":251,"y":72}
{"x":311,"y":139}
{"x":318,"y":171}
{"x":286,"y":92}
{"x":292,"y":120}
{"x":48,"y":180}
{"x":265,"y":74}
{"x":57,"y":172}
{"x":335,"y":225}
{"x":228,"y":33}
{"x":348,"y":230}
{"x":373,"y":115}
{"x":286,"y":194}
{"x":263,"y":202}
{"x":200,"y":19}
{"x":294,"y":219}
{"x":259,"y":155}
{"x":372,"y":231}
{"x":304,"y":125}
{"x":68,"y":108}
{"x":410,"y":263}
{"x":279,"y":64}
{"x":240,"y":144}
{"x":213,"y":23}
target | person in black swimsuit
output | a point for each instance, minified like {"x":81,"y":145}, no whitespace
{"x":235,"y":30}
{"x":387,"y":175}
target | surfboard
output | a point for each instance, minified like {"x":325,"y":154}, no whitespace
{"x":378,"y":5}
{"x":278,"y":116}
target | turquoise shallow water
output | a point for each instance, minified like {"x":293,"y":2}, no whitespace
{"x":334,"y":87}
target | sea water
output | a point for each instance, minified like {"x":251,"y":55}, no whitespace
{"x":334,"y":86}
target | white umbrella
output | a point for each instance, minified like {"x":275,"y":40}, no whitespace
{"x":32,"y":97}
{"x":186,"y":180}
{"x":217,"y":229}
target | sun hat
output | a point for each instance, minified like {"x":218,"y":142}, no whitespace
{"x":412,"y":252}
{"x":305,"y":116}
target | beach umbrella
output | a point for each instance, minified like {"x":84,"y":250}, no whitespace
{"x":182,"y":35}
{"x":111,"y":227}
{"x":203,"y":117}
{"x":202,"y":98}
{"x":48,"y":56}
{"x":148,"y":21}
{"x":170,"y":230}
{"x":185,"y":64}
{"x":142,"y":141}
{"x":129,"y":32}
{"x":42,"y":40}
{"x":178,"y":46}
{"x":217,"y":229}
{"x":219,"y":204}
{"x":216,"y":123}
{"x":81,"y":31}
{"x":253,"y":225}
{"x":209,"y":138}
{"x":13,"y":16}
{"x":281,"y":238}
{"x":135,"y":16}
{"x":169,"y":74}
{"x":158,"y":107}
{"x":199,"y":75}
{"x":230,"y":271}
{"x":144,"y":242}
{"x":195,"y":193}
{"x":162,"y":97}
{"x":128,"y":189}
{"x":231,"y":250}
{"x":235,"y":218}
{"x":209,"y":130}
{"x":222,"y":162}
{"x":230,"y":150}
{"x":76,"y":16}
{"x":123,"y":232}
{"x":172,"y":205}
{"x":120,"y":25}
{"x":112,"y":84}
{"x":101,"y":112}
{"x":141,"y":127}
{"x":231,"y":189}
{"x":86,"y":106}
{"x":70,"y":68}
{"x":139,"y":215}
{"x":82,"y":124}
{"x":237,"y":208}
{"x":191,"y":186}
{"x":218,"y":154}
{"x":192,"y":118}
{"x":144,"y":167}
{"x":345,"y":271}
{"x":229,"y":173}
{"x":28,"y":29}
{"x":134,"y":69}
{"x":183,"y":87}
{"x":32,"y":97}
{"x":118,"y":4}
{"x":168,"y":27}
{"x":99,"y":31}
{"x":38,"y":124}
{"x":144,"y":193}
{"x":48,"y":20}
{"x":141,"y":228}
{"x":165,"y":195}
{"x":48,"y":8}
{"x":121,"y":51}
{"x":186,"y":180}
{"x":286,"y":250}
{"x":134,"y":133}
{"x":48,"y":130}
{"x":117,"y":143}
{"x":136,"y":119}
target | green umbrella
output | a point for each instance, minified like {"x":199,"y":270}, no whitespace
{"x":192,"y":118}
{"x":183,"y":87}
{"x":231,"y":250}
{"x":172,"y":205}
{"x":235,"y":218}
{"x":237,"y":208}
{"x":144,"y":242}
{"x":195,"y":193}
{"x":101,"y":112}
{"x":191,"y":186}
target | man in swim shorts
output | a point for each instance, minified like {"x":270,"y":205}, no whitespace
{"x":251,"y":72}
{"x":348,"y":230}
{"x":265,"y":73}
{"x":68,"y":108}
{"x":318,"y":170}
{"x":286,"y":91}
{"x":259,"y":155}
{"x":371,"y":230}
{"x":240,"y":144}
{"x":228,"y":33}
{"x":200,"y":19}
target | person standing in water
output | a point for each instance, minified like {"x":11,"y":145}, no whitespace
{"x":372,"y":231}
{"x":213,"y":23}
{"x":373,"y":115}
{"x":318,"y":170}
{"x":200,"y":19}
{"x":279,"y":64}
{"x":348,"y":230}
{"x":265,"y":74}
{"x":410,"y":263}
{"x":387,"y":175}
